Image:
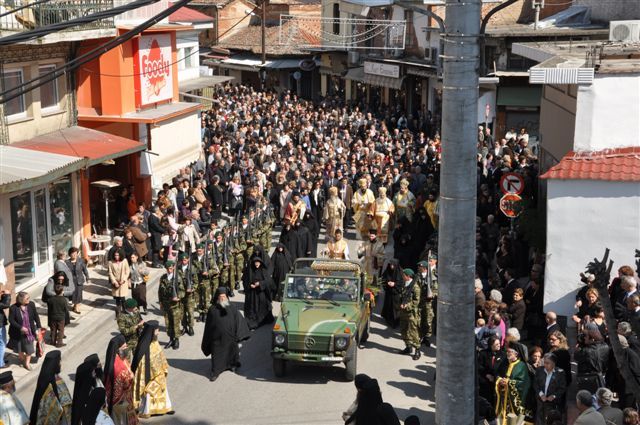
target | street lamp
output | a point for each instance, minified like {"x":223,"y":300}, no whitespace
{"x":263,"y":77}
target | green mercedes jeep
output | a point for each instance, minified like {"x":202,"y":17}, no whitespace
{"x":324,"y":315}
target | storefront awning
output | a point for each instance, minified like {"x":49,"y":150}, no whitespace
{"x":355,"y":74}
{"x":202,"y":82}
{"x":96,"y":146}
{"x":382,"y":81}
{"x":155,"y":115}
{"x":422,"y":71}
{"x":519,"y":96}
{"x":24,"y":168}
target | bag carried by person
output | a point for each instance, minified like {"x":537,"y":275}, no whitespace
{"x":40,"y":344}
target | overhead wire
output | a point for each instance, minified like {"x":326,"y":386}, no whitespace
{"x":18,"y":9}
{"x":48,"y":29}
{"x":34,"y":83}
{"x":137,"y":74}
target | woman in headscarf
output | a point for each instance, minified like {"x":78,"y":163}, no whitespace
{"x":257,"y":292}
{"x":391,"y":283}
{"x":512,"y":385}
{"x":51,"y":401}
{"x":150,"y":393}
{"x":311,"y":223}
{"x":364,"y":410}
{"x":93,"y":413}
{"x":119,"y":383}
{"x":281,"y":263}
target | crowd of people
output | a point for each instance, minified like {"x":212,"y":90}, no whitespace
{"x":276,"y":161}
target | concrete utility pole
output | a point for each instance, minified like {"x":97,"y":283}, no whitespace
{"x":264,"y":31}
{"x":455,"y":358}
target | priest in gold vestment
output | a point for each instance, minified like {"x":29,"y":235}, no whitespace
{"x":150,"y":367}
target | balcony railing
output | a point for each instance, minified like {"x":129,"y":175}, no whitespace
{"x":53,"y":12}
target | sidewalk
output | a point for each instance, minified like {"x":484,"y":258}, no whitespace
{"x":96,"y":310}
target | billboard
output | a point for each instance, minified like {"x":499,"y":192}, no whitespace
{"x":155,"y":70}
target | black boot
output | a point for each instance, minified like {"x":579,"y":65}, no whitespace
{"x":176,"y":344}
{"x":203,"y":317}
{"x":407,"y":350}
{"x":169,"y":344}
{"x":426,"y":342}
{"x":416,"y":354}
{"x":231,"y":293}
{"x":190,"y":331}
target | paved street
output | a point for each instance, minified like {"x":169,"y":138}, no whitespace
{"x":307,"y":395}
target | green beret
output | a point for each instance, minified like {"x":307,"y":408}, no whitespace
{"x":170,"y":263}
{"x":409,"y":272}
{"x":182,"y":256}
{"x":433,"y":256}
{"x":200,"y":245}
{"x":423,"y":264}
{"x":210,"y":241}
{"x":131,"y":303}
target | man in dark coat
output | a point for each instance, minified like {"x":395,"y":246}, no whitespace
{"x":224,"y":329}
{"x":257,"y":285}
{"x":289,"y":238}
{"x":156,"y":230}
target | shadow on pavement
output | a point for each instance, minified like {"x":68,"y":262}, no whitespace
{"x":424,"y":416}
{"x":412,"y":389}
{"x":199,"y":367}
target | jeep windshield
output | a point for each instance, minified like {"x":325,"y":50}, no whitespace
{"x":332,"y":289}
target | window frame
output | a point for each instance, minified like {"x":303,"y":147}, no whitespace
{"x":23,"y":97}
{"x":56,"y":87}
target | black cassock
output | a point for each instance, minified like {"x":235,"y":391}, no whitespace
{"x":310,"y":223}
{"x":224,"y":329}
{"x":305,"y":241}
{"x":289,"y":238}
{"x":281,"y":264}
{"x":257,"y":301}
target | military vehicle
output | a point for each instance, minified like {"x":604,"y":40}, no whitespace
{"x":324,"y":315}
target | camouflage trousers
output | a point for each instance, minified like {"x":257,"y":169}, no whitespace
{"x":188,"y":309}
{"x":203,"y":296}
{"x":409,"y":328}
{"x":214,"y":282}
{"x":428,"y":317}
{"x":227,"y":274}
{"x":265,"y":239}
{"x":172,"y":319}
{"x":238,"y":266}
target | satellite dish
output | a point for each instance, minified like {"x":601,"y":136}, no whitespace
{"x":307,"y":64}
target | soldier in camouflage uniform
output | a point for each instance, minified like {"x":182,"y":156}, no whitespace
{"x":214,"y":270}
{"x":217,"y":256}
{"x":428,"y":282}
{"x":200,"y":265}
{"x":238,"y":251}
{"x":170,"y":291}
{"x":130,"y":323}
{"x":189,"y":280}
{"x":224,"y":251}
{"x":410,"y":314}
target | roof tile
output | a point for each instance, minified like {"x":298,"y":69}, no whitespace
{"x":620,"y":164}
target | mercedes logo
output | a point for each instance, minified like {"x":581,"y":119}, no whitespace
{"x":309,"y":342}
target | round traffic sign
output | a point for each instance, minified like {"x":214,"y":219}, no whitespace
{"x":511,"y":205}
{"x":512,"y":183}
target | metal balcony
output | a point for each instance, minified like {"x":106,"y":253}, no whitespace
{"x":53,"y":12}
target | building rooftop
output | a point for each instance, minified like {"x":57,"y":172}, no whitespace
{"x":621,"y":164}
{"x":602,"y":56}
{"x":188,"y":15}
{"x":250,"y":39}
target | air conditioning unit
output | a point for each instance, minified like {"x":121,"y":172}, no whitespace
{"x":624,"y":31}
{"x":431,"y":54}
{"x":354,"y":57}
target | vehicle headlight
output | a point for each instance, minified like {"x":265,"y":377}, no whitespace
{"x":341,"y":342}
{"x":279,"y":339}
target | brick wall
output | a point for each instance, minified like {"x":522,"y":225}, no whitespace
{"x":231,"y":14}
